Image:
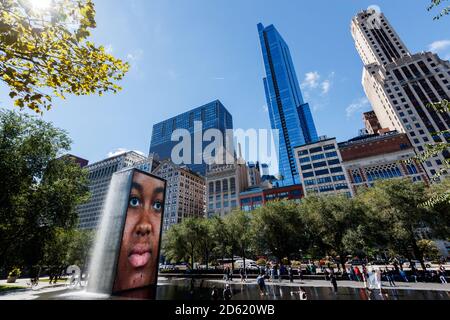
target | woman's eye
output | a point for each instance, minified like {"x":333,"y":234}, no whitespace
{"x":134,"y":202}
{"x":157,"y":206}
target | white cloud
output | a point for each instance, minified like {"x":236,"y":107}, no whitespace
{"x":218,"y":78}
{"x":135,"y":55}
{"x":439,"y":46}
{"x":357,"y":106}
{"x":265,"y":108}
{"x":326,"y":86}
{"x":120,"y":151}
{"x":311,"y":80}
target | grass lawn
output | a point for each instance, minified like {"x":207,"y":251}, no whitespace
{"x":46,"y":280}
{"x":4,"y":288}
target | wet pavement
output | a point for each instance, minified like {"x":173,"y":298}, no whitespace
{"x":200,"y":290}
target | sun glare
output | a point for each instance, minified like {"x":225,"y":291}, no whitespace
{"x":40,"y":4}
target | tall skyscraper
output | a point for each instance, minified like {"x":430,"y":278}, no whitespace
{"x":212,"y":116}
{"x":401,"y":85}
{"x":288,"y":112}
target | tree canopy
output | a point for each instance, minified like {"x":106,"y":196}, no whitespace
{"x":40,"y":189}
{"x":46,"y":53}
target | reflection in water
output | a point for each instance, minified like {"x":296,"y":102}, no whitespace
{"x":179,"y":289}
{"x":187,"y":289}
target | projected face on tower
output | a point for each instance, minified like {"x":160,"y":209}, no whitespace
{"x":138,"y":258}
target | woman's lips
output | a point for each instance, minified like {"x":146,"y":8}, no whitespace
{"x":139,"y":256}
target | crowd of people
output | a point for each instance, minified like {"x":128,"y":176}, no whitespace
{"x":372,"y":276}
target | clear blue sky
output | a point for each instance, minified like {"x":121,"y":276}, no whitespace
{"x":185,"y":53}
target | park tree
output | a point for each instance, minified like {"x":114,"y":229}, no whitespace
{"x":238,"y":224}
{"x":45,"y":52}
{"x":396,"y":206}
{"x":221,"y":237}
{"x":429,"y":249}
{"x":79,"y":249}
{"x":40,"y":190}
{"x":334,"y":222}
{"x":174,"y":248}
{"x":278,"y":229}
{"x":184,"y":241}
{"x":206,"y":240}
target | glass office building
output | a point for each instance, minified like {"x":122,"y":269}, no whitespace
{"x":212,"y":116}
{"x":288,"y":112}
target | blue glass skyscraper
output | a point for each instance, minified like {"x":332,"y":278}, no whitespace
{"x":288,"y":112}
{"x":212,"y":116}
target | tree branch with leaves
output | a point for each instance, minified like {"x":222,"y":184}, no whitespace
{"x":46,"y":53}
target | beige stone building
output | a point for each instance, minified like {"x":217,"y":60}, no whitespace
{"x":185,"y":193}
{"x":400,"y":85}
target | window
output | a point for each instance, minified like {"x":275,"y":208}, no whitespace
{"x":308,"y":175}
{"x":306,"y":167}
{"x":320,"y":164}
{"x":302,"y":153}
{"x":318,"y":157}
{"x":336,"y":170}
{"x":334,"y":162}
{"x":324,"y":180}
{"x":329,"y":147}
{"x":332,"y":154}
{"x":315,"y":150}
{"x":305,"y":160}
{"x":322,"y":172}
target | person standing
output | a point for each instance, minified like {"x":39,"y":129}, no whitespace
{"x":378,"y":281}
{"x":291,"y":274}
{"x":390,"y":277}
{"x":261,"y":284}
{"x":227,"y":295}
{"x":279,"y":274}
{"x":334,"y":282}
{"x":357,"y":273}
{"x":242,"y":274}
{"x":403,"y":275}
{"x":215,"y":294}
{"x":442,"y":274}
